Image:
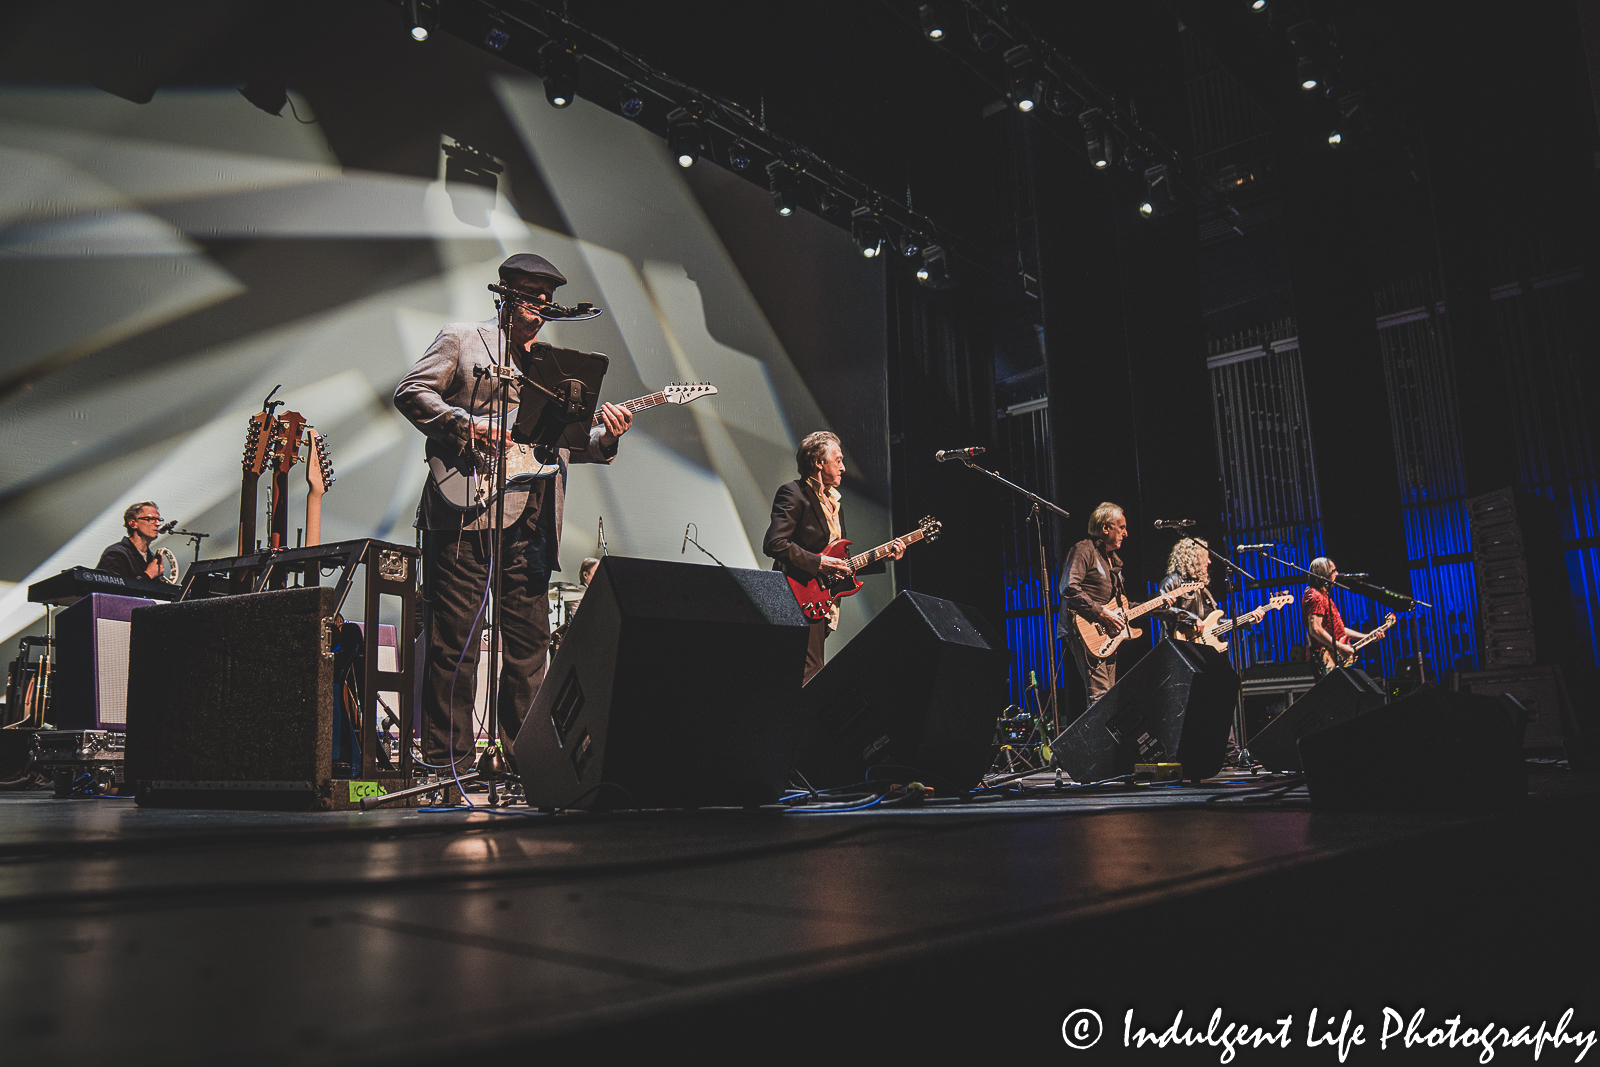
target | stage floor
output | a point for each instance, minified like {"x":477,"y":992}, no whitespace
{"x":953,"y":929}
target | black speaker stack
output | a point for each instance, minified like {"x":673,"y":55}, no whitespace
{"x":1173,"y":706}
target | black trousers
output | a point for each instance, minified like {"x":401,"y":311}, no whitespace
{"x":455,"y":580}
{"x":814,"y":648}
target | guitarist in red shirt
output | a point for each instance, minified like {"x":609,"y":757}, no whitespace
{"x":805,"y":520}
{"x":1324,"y":623}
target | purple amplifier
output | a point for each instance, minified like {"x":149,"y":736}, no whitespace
{"x":91,"y":676}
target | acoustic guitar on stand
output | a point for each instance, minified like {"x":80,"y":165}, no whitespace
{"x":1213,"y":626}
{"x":1100,"y":643}
{"x":319,"y":479}
{"x":817,"y":595}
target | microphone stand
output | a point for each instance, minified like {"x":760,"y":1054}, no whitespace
{"x":701,"y":547}
{"x":1239,"y":725}
{"x":491,"y":766}
{"x":194,"y":539}
{"x":1038,"y":518}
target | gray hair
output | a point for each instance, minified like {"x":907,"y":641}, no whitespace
{"x":808,"y":457}
{"x":1323,"y":568}
{"x":1101,"y":517}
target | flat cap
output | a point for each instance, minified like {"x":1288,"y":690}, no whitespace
{"x":528,"y":263}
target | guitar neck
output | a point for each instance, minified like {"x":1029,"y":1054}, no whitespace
{"x":1148,"y":606}
{"x":636,"y":405}
{"x":883,"y":551}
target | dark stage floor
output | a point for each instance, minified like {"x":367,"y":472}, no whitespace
{"x":948,"y":932}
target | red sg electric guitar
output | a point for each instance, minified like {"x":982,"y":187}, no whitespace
{"x":817,"y":595}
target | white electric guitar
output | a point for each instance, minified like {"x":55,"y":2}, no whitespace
{"x":466,"y":481}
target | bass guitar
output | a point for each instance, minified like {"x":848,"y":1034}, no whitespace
{"x":1213,"y":626}
{"x":1100,"y":643}
{"x":466,"y":481}
{"x":1327,"y":662}
{"x":817,"y":595}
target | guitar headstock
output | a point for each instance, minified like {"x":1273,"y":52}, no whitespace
{"x":931,"y":528}
{"x":285,"y":447}
{"x":319,"y":467}
{"x":257,"y":438}
{"x":683,"y":392}
{"x":1389,"y":622}
{"x":1280,"y":601}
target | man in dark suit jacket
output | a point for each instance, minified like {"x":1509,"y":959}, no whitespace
{"x":805,"y":520}
{"x":445,"y":399}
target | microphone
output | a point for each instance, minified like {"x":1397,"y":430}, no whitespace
{"x":1173,"y":524}
{"x":1357,"y":576}
{"x":1256,"y":548}
{"x":948,"y":454}
{"x":173,"y":525}
{"x":685,"y":547}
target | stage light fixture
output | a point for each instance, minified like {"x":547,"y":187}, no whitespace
{"x":497,"y":39}
{"x":1335,"y":138}
{"x":1098,"y":139}
{"x":630,"y":101}
{"x":932,"y":28}
{"x":739,"y":156}
{"x":424,"y":18}
{"x":1258,"y":5}
{"x":1024,"y":84}
{"x":1306,"y":72}
{"x":685,"y":142}
{"x":934,"y":271}
{"x":867,"y":231}
{"x":1159,"y":197}
{"x":558,"y":65}
{"x":782,"y":179}
{"x":830,"y":206}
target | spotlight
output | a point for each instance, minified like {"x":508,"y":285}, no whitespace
{"x":424,"y":17}
{"x":1159,"y":198}
{"x":983,"y":36}
{"x":830,"y":206}
{"x":932,"y":28}
{"x":910,"y":244}
{"x":631,"y":101}
{"x":685,"y":142}
{"x":934,"y":271}
{"x":558,"y":65}
{"x":1023,"y":80}
{"x":1306,"y":73}
{"x":781,"y":179}
{"x":497,"y":39}
{"x":1258,"y":5}
{"x":867,"y":231}
{"x":739,"y":156}
{"x":1098,"y":139}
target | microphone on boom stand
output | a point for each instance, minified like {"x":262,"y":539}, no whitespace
{"x":1267,"y":547}
{"x":1174,"y":524}
{"x":948,"y":454}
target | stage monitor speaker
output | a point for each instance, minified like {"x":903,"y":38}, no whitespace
{"x":1174,"y":706}
{"x":230,"y":701}
{"x":914,"y":693}
{"x":1343,"y":694}
{"x":1433,"y":749}
{"x":91,"y":675}
{"x":675,"y":687}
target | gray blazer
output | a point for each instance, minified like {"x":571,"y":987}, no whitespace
{"x":441,"y":395}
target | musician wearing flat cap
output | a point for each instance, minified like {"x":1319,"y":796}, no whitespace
{"x":445,"y":397}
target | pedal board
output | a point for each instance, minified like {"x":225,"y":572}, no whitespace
{"x":81,"y":762}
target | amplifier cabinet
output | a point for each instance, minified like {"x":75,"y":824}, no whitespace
{"x":91,"y":676}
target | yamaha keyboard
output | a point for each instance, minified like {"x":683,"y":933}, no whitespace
{"x":74,"y":583}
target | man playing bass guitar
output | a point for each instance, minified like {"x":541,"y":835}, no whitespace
{"x":1325,"y":629}
{"x":805,"y":520}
